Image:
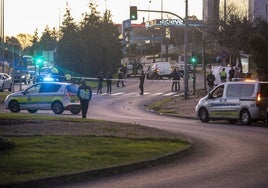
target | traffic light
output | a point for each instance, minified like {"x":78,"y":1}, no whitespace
{"x":133,"y":13}
{"x":39,"y":61}
{"x":193,"y":60}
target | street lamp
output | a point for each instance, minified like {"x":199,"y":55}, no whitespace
{"x":186,"y":51}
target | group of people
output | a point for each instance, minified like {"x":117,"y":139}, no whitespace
{"x":101,"y":78}
{"x":84,"y":92}
{"x":176,"y":77}
{"x":223,"y":76}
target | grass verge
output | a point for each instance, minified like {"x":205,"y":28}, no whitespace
{"x":37,"y":155}
{"x":44,"y":156}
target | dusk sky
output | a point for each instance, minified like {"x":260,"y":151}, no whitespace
{"x":25,"y":16}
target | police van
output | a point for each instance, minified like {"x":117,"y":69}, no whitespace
{"x":246,"y":101}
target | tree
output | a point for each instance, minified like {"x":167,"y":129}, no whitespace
{"x":259,"y":45}
{"x":90,"y":46}
{"x":233,"y":33}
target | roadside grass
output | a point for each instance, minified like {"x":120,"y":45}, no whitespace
{"x":36,"y":157}
{"x":157,"y":105}
{"x":40,"y":156}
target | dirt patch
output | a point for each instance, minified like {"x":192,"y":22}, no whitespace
{"x":83,"y":128}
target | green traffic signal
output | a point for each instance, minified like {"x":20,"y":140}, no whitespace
{"x":133,"y":13}
{"x":39,"y":61}
{"x":193,"y":60}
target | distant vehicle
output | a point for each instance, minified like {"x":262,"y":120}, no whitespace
{"x":246,"y":101}
{"x":131,"y":67}
{"x":32,"y":71}
{"x":5,"y":82}
{"x":159,"y":70}
{"x":181,"y":66}
{"x":20,"y":76}
{"x":55,"y":96}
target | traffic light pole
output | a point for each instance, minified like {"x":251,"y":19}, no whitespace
{"x":185,"y":43}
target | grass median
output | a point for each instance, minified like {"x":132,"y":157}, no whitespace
{"x":39,"y":155}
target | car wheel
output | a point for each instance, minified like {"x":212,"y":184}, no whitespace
{"x":14,"y":106}
{"x":245,"y":117}
{"x":203,"y":115}
{"x":32,"y":110}
{"x":57,"y":107}
{"x":75,"y":110}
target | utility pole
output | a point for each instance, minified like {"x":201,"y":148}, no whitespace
{"x":186,"y":51}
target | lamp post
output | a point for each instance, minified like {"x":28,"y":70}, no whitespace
{"x":186,"y":51}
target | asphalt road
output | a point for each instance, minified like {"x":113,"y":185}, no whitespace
{"x":223,"y":155}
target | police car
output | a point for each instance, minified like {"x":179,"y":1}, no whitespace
{"x":55,"y":96}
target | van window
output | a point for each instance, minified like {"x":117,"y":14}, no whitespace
{"x":247,"y":90}
{"x":218,"y":92}
{"x":233,"y":90}
{"x":240,"y":90}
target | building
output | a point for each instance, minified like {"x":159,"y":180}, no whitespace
{"x":258,"y":9}
{"x":210,"y":10}
{"x":254,"y":9}
{"x":2,"y":19}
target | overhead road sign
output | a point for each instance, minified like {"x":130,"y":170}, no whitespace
{"x":173,"y":22}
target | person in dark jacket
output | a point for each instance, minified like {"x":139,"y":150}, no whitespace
{"x":100,"y":80}
{"x":142,"y":79}
{"x":211,"y":79}
{"x":109,"y":78}
{"x":84,"y":94}
{"x":176,"y":80}
{"x":120,"y":78}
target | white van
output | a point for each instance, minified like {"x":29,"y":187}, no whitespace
{"x":246,"y":101}
{"x":159,"y":70}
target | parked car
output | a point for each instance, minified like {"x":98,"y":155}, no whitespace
{"x":246,"y":101}
{"x":159,"y":70}
{"x":20,"y":76}
{"x":55,"y":96}
{"x":5,"y":82}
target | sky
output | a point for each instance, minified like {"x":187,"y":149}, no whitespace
{"x":25,"y":16}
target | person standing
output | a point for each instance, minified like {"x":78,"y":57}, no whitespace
{"x":109,"y":78}
{"x":84,"y":94}
{"x":211,"y":79}
{"x":100,"y":81}
{"x":223,"y":75}
{"x":142,"y":79}
{"x":176,"y":80}
{"x":120,"y":78}
{"x":231,"y":73}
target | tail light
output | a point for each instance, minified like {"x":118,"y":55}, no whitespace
{"x":69,"y":94}
{"x":258,"y":99}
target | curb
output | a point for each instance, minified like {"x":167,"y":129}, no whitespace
{"x":97,"y":173}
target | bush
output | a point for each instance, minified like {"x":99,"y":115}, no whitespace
{"x":5,"y":144}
